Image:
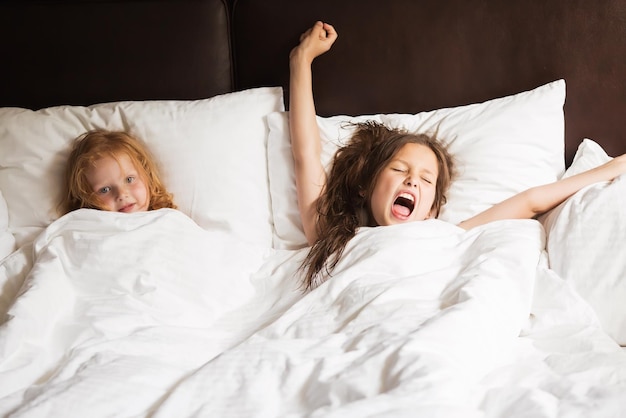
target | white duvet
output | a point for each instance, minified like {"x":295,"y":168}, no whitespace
{"x":148,"y":315}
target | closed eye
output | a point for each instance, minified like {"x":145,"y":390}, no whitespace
{"x":427,"y":180}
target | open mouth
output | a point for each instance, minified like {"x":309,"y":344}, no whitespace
{"x":404,"y":205}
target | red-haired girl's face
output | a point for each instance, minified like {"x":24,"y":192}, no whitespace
{"x":405,"y":188}
{"x":118,"y":185}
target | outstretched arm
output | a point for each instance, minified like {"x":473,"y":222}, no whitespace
{"x":305,"y":136}
{"x":540,"y":199}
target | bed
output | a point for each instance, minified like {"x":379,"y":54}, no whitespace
{"x":197,"y":312}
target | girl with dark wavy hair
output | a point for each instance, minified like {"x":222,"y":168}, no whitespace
{"x":383,"y":176}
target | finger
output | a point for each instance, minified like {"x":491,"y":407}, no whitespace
{"x":318,"y":29}
{"x":330,"y":30}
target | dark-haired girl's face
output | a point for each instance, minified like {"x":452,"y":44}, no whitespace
{"x":405,"y":188}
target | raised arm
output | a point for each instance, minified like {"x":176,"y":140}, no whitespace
{"x":540,"y":199}
{"x":305,"y":136}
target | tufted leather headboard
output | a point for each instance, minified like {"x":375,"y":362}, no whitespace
{"x":391,"y":56}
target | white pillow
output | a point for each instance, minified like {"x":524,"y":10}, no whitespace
{"x":211,"y":152}
{"x":588,"y":155}
{"x":502,"y":147}
{"x":586,"y":245}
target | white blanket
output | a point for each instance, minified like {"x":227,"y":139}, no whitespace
{"x":149,"y":315}
{"x":116,"y":310}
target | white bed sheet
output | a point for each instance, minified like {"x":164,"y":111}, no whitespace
{"x":150,"y":315}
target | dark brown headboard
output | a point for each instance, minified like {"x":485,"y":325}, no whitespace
{"x":92,"y":51}
{"x":410,"y":56}
{"x":391,"y":55}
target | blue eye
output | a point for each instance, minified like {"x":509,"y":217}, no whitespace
{"x":104,"y":190}
{"x":130,"y":179}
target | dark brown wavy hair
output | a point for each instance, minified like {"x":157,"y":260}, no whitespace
{"x":96,"y":144}
{"x":344,"y":204}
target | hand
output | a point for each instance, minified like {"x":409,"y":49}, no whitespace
{"x":314,"y":42}
{"x":608,"y":171}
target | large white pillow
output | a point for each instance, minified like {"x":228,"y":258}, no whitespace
{"x":502,"y":147}
{"x":212,"y":154}
{"x":586,"y":242}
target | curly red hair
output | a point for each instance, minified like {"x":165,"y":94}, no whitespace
{"x":96,"y":144}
